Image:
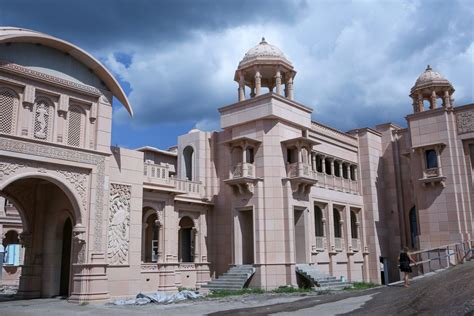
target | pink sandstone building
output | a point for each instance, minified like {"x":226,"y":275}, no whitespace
{"x":273,"y":195}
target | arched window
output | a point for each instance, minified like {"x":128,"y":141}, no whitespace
{"x":318,"y":222}
{"x":150,"y":235}
{"x":319,"y":163}
{"x":431,"y":159}
{"x":336,"y":168}
{"x":413,"y":226}
{"x":337,"y":223}
{"x":11,"y":244}
{"x":354,"y":231}
{"x":8,"y":109}
{"x":186,"y":240}
{"x":188,"y":154}
{"x":43,"y":119}
{"x":75,"y":126}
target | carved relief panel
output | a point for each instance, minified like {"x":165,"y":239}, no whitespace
{"x":118,"y":230}
{"x":465,"y":122}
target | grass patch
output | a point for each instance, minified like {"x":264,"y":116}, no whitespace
{"x":361,"y":286}
{"x":224,"y":293}
{"x":289,"y":289}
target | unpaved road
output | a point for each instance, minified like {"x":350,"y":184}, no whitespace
{"x":449,"y":292}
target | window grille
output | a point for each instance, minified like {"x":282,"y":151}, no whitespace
{"x":75,"y":127}
{"x":7,"y":112}
{"x":42,"y":123}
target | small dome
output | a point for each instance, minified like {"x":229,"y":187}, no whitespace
{"x":430,"y":76}
{"x":263,"y":51}
{"x":194,"y":130}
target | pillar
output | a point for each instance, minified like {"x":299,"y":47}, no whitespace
{"x":433,"y":100}
{"x":420,"y":102}
{"x":323,"y":164}
{"x":278,"y":82}
{"x":241,"y":87}
{"x":332,"y":167}
{"x":289,"y":89}
{"x":348,"y":168}
{"x":340,"y":169}
{"x":258,"y":83}
{"x":313,"y":162}
{"x":446,"y":100}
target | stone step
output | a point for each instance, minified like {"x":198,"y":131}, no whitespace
{"x":230,"y":282}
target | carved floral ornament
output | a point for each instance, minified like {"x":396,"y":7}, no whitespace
{"x":44,"y":150}
{"x":118,"y":231}
{"x":76,"y":177}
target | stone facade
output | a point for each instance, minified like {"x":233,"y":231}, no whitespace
{"x":271,"y":189}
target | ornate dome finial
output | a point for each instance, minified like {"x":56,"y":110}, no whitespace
{"x":428,"y":68}
{"x":263,"y":41}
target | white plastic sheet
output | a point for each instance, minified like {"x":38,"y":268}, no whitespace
{"x":160,"y":298}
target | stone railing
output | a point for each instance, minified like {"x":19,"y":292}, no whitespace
{"x":338,"y":243}
{"x":337,"y":183}
{"x":158,"y":174}
{"x":431,"y":173}
{"x":190,"y":187}
{"x":243,"y":170}
{"x":300,"y":170}
{"x":319,"y":242}
{"x":155,"y":172}
{"x":355,"y":244}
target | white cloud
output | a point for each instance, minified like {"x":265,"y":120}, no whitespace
{"x":359,"y":58}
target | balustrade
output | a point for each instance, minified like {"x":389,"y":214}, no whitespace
{"x":338,"y":243}
{"x":243,"y":170}
{"x":319,"y":242}
{"x":159,"y":174}
{"x":355,"y":244}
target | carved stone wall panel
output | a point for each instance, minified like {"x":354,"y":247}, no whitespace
{"x":54,"y":152}
{"x":118,"y":230}
{"x":465,"y":122}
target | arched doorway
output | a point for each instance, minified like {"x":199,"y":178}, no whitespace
{"x":48,"y":211}
{"x":150,"y":235}
{"x":186,"y":240}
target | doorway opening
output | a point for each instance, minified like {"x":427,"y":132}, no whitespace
{"x":246,"y":228}
{"x":300,"y":232}
{"x":66,"y":259}
{"x":186,"y":240}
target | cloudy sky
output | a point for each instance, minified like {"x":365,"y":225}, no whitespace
{"x":356,"y":60}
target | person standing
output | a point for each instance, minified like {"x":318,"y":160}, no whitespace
{"x":404,"y":260}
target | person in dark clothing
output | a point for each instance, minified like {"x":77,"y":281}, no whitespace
{"x":404,"y":259}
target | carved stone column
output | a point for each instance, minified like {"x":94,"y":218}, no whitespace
{"x":278,"y":82}
{"x":241,"y":87}
{"x":446,"y":100}
{"x":289,"y":89}
{"x":433,"y":100}
{"x":258,"y":83}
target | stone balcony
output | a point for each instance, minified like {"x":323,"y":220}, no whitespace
{"x":432,"y":176}
{"x":157,"y":177}
{"x":302,"y":177}
{"x":242,"y":178}
{"x":337,"y":183}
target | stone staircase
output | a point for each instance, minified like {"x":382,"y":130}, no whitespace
{"x":321,"y":281}
{"x":233,"y":280}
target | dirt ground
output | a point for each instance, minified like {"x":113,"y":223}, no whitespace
{"x":450,"y":292}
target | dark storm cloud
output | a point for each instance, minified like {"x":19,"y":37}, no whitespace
{"x":104,"y":23}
